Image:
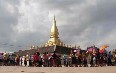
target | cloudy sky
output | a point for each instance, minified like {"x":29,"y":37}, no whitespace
{"x":82,"y":22}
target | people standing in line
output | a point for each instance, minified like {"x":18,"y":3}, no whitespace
{"x":94,"y":58}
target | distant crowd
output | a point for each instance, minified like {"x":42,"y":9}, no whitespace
{"x":93,"y":57}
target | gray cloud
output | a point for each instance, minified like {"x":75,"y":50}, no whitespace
{"x":83,"y":22}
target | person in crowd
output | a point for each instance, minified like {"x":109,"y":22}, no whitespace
{"x":84,"y":59}
{"x":27,"y":59}
{"x":40,"y":62}
{"x":91,"y":60}
{"x":1,"y":59}
{"x":105,"y":59}
{"x":50,"y":59}
{"x":5,"y":59}
{"x":97,"y":57}
{"x":66,"y":61}
{"x":101,"y":59}
{"x":79,"y":60}
{"x":114,"y":57}
{"x":109,"y":59}
{"x":54,"y":59}
{"x":36,"y":59}
{"x":94,"y":60}
{"x":59,"y":62}
{"x":45,"y":59}
{"x":11,"y":60}
{"x":17,"y":60}
{"x":31,"y":61}
{"x":70,"y":61}
{"x":21,"y":61}
{"x":74,"y":60}
{"x":88,"y":58}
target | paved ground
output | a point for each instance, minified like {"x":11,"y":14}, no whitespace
{"x":15,"y":69}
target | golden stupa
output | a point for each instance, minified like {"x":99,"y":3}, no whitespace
{"x":54,"y":39}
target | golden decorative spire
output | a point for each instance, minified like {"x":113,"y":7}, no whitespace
{"x":54,"y":39}
{"x":54,"y":30}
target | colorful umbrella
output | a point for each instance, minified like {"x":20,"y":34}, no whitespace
{"x":103,"y":47}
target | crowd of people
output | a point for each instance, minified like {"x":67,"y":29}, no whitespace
{"x":92,"y":57}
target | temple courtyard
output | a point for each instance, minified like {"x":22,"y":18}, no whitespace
{"x":18,"y":69}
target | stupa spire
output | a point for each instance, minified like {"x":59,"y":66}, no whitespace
{"x":54,"y":39}
{"x":54,"y":29}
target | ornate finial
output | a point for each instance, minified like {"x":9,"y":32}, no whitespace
{"x":54,"y":18}
{"x":54,"y":21}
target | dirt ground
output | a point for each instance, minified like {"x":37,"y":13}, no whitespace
{"x":18,"y":69}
